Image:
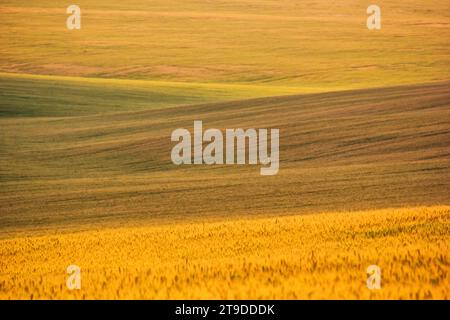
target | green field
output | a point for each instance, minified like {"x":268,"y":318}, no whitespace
{"x":57,"y":96}
{"x":348,"y":150}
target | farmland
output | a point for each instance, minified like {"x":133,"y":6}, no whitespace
{"x":322,"y":256}
{"x":308,"y":45}
{"x":353,"y":150}
{"x":86,"y":176}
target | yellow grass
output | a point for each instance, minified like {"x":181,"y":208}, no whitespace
{"x":315,"y":256}
{"x":303,"y":44}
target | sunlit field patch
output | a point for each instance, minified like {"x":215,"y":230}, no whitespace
{"x":313,"y":256}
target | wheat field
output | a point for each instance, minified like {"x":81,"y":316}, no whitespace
{"x":321,"y":256}
{"x":86,"y":177}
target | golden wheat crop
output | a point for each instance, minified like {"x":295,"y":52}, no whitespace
{"x":313,"y":256}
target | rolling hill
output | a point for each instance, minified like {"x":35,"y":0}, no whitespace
{"x":349,"y":150}
{"x":86,"y":176}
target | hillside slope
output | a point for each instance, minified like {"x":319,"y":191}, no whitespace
{"x":339,"y":151}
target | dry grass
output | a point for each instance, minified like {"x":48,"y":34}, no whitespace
{"x":318,"y":256}
{"x":305,"y":44}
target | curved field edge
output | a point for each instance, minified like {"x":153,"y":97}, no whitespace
{"x":33,"y":96}
{"x":321,"y":256}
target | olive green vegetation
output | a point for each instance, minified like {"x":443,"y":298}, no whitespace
{"x":56,"y":96}
{"x":348,"y":150}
